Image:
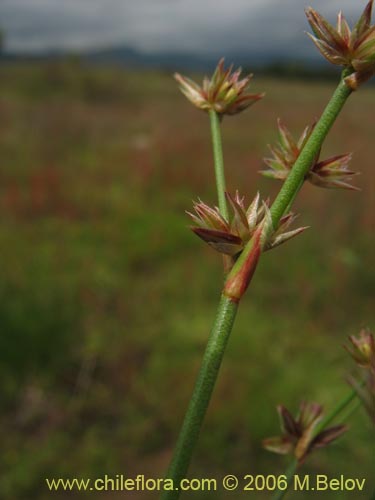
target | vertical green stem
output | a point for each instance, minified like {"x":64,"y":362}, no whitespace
{"x":351,"y":410}
{"x":201,"y":394}
{"x":227,"y":308}
{"x":218,"y":162}
{"x":337,"y":410}
{"x":289,"y":473}
{"x":344,"y":403}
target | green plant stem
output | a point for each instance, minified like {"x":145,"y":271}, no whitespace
{"x":227,"y":308}
{"x":357,"y":404}
{"x":201,"y":394}
{"x":289,"y":473}
{"x":295,"y":179}
{"x":341,"y":406}
{"x":218,"y":162}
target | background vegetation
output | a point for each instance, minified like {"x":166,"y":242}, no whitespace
{"x":104,"y":290}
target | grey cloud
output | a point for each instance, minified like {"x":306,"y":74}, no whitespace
{"x":154,"y":25}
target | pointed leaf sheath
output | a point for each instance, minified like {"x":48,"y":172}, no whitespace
{"x":352,"y":49}
{"x":240,"y":275}
{"x":224,"y":92}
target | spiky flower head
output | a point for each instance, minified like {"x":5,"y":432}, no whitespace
{"x":330,"y":173}
{"x":362,"y":349}
{"x":300,"y":435}
{"x":224,"y":92}
{"x":230,"y":237}
{"x":353,"y":49}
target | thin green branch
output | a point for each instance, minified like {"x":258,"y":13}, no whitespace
{"x":218,"y":162}
{"x":289,"y":473}
{"x":201,"y":394}
{"x":341,"y":406}
{"x":351,"y":410}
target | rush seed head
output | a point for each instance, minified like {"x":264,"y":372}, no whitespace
{"x":351,"y":48}
{"x":299,"y":433}
{"x":331,"y":173}
{"x":225,"y":92}
{"x":230,"y":237}
{"x":362,"y":349}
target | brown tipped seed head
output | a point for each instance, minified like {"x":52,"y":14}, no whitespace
{"x":230,"y":237}
{"x":285,"y":153}
{"x":354,"y":49}
{"x":330,"y":173}
{"x":362,"y":349}
{"x":225,"y":92}
{"x":300,"y":435}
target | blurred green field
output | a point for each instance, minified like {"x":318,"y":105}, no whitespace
{"x":107,"y":298}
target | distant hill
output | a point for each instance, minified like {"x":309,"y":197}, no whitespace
{"x":185,"y":60}
{"x":268,"y":63}
{"x":129,"y":56}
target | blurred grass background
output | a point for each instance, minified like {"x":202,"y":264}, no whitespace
{"x":106,"y":298}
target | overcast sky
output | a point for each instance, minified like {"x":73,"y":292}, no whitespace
{"x":197,"y":26}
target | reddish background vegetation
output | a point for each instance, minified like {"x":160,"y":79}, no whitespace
{"x":105,"y":292}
